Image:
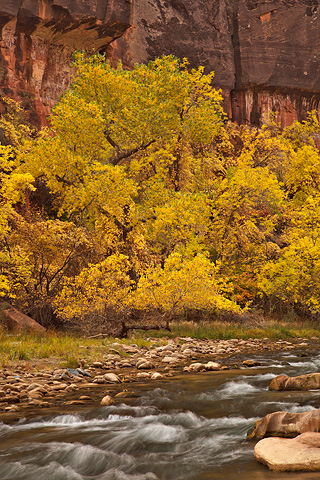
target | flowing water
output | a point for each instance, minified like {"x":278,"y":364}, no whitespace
{"x":191,"y":427}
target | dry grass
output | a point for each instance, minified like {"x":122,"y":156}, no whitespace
{"x":59,"y":349}
{"x":226,"y":330}
{"x":54,"y":349}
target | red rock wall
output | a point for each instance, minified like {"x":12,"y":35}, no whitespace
{"x":277,"y":58}
{"x":199,"y":30}
{"x":266,"y":54}
{"x":38,"y":38}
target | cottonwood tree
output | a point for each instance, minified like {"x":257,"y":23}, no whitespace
{"x":294,"y":276}
{"x":176,"y":209}
{"x":124,"y":160}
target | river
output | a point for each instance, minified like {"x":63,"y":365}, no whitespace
{"x":191,"y":427}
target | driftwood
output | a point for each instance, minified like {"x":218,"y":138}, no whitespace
{"x":126,"y":328}
{"x":123,"y":333}
{"x":100,"y":335}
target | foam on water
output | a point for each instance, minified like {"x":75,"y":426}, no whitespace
{"x":309,"y":366}
{"x":287,"y":407}
{"x":159,"y":438}
{"x":306,"y":366}
{"x":53,"y":471}
{"x":260,"y":377}
{"x":119,"y":475}
{"x":230,"y":390}
{"x":159,"y":433}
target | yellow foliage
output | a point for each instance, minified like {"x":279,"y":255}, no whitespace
{"x":97,"y":288}
{"x":303,"y":174}
{"x":294,"y":277}
{"x":183,"y":283}
{"x":35,"y":255}
{"x":141,"y":162}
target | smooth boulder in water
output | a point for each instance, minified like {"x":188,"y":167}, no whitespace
{"x":309,"y":381}
{"x":285,"y":424}
{"x":290,"y":454}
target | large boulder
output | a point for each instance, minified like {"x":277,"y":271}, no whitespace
{"x":285,"y":424}
{"x":294,"y":454}
{"x":12,"y":319}
{"x":310,"y":381}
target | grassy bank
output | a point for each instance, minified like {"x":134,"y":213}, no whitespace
{"x":225,"y":331}
{"x":64,"y":350}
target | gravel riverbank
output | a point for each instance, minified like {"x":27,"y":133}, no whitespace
{"x":26,"y":387}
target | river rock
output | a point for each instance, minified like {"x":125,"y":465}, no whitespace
{"x":168,"y":359}
{"x":61,"y":374}
{"x":32,"y":386}
{"x":146,"y":365}
{"x":71,"y":387}
{"x":143,"y":363}
{"x":167,"y":348}
{"x":143,"y":375}
{"x":10,"y":399}
{"x":99,"y":379}
{"x":212,"y":366}
{"x":15,"y":388}
{"x":187,"y":352}
{"x":12,"y":408}
{"x":85,"y":373}
{"x":285,"y":424}
{"x":35,"y":402}
{"x":97,"y":364}
{"x":196,"y":367}
{"x":125,"y":394}
{"x":107,"y":400}
{"x":310,"y":381}
{"x":73,"y":372}
{"x":111,"y":378}
{"x":251,"y":363}
{"x":295,"y":454}
{"x":59,"y":386}
{"x":130,"y":349}
{"x":125,"y":364}
{"x":156,"y":376}
{"x":37,"y":392}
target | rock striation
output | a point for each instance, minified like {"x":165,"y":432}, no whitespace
{"x":276,"y":51}
{"x":265,"y":53}
{"x":285,"y":424}
{"x":309,"y":381}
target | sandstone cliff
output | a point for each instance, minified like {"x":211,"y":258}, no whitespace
{"x":38,"y":38}
{"x":277,"y":57}
{"x":265,"y":53}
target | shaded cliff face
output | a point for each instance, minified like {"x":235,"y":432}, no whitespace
{"x":266,"y":54}
{"x":199,"y":30}
{"x":277,"y":59}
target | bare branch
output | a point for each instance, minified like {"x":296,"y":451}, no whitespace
{"x":127,"y":153}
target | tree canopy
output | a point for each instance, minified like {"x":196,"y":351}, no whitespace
{"x":143,"y":201}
